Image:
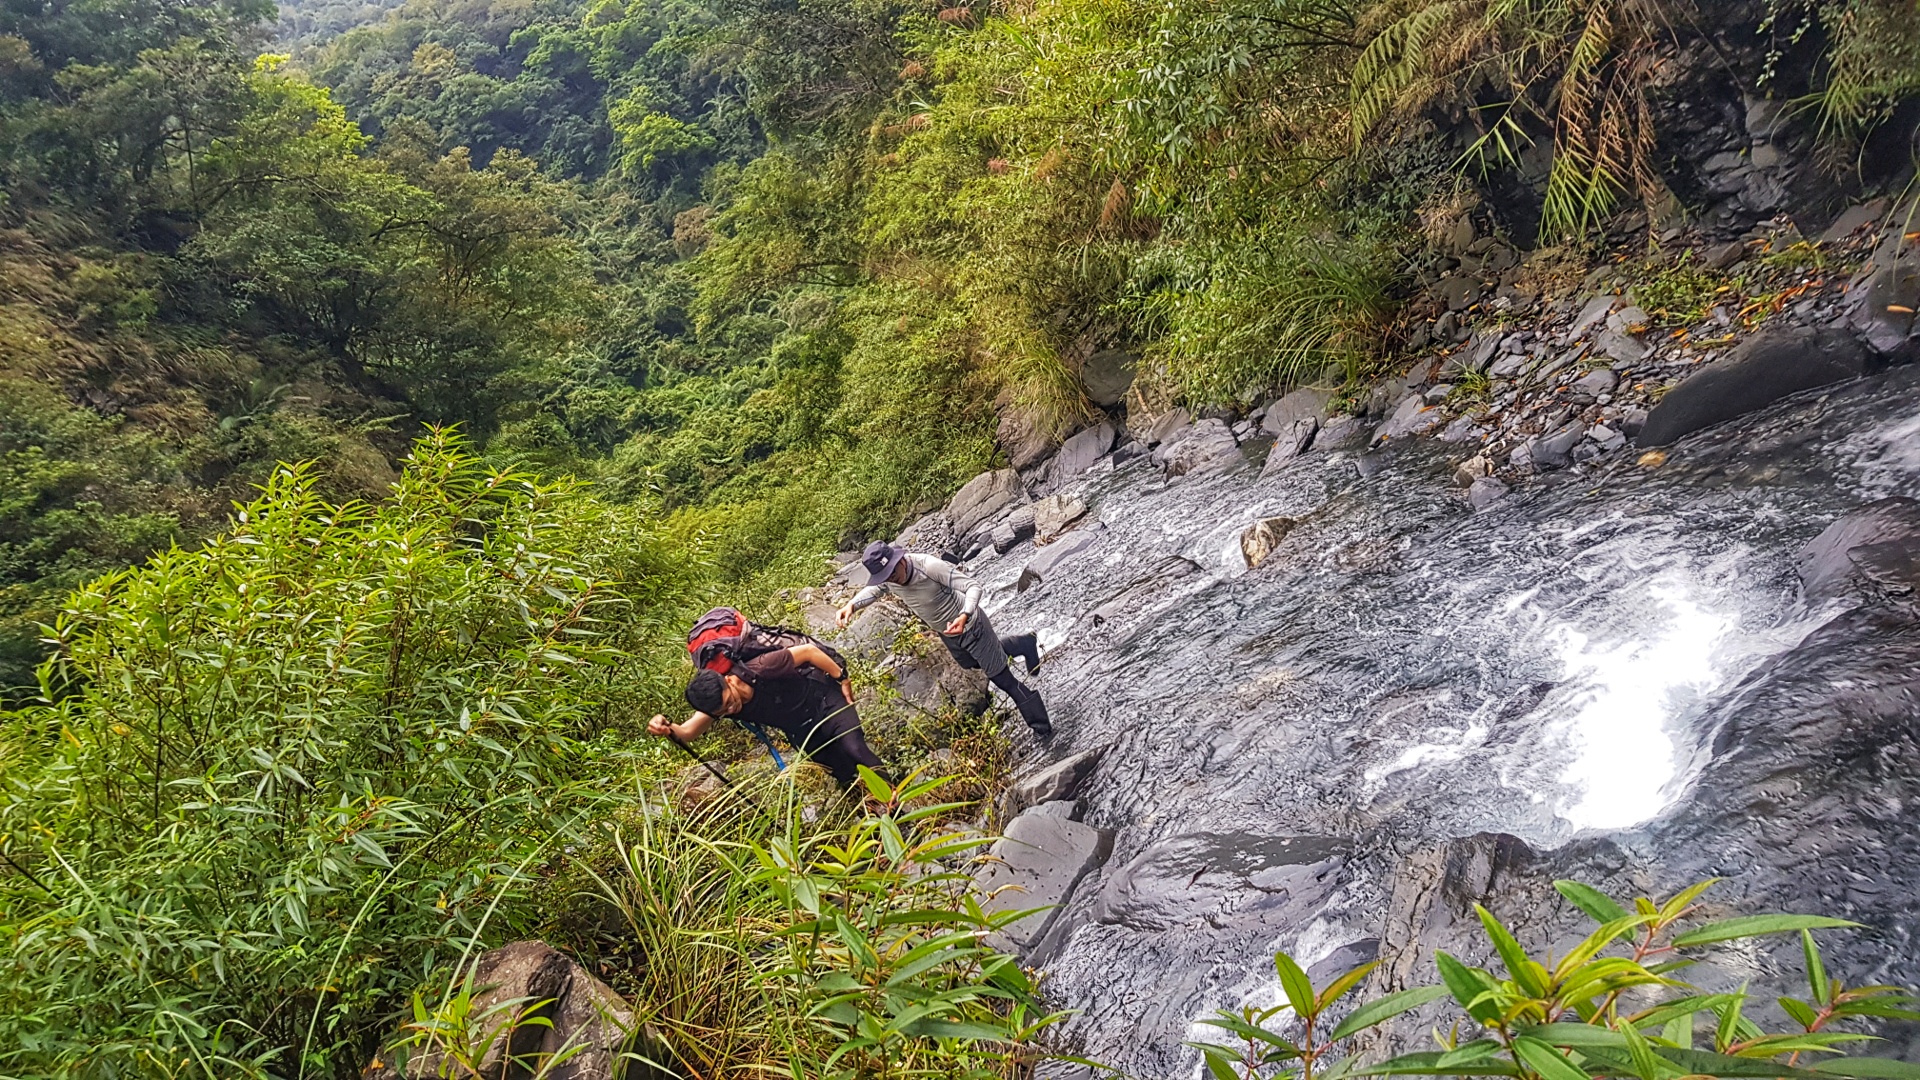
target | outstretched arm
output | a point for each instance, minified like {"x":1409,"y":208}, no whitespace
{"x":685,"y":732}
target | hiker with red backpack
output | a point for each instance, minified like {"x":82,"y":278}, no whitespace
{"x":945,"y":597}
{"x":770,"y":677}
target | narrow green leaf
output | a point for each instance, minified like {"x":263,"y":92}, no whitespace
{"x":1802,"y":1013}
{"x":1470,"y":1052}
{"x":1519,"y":967}
{"x":1386,"y":1008}
{"x":1339,"y":987}
{"x":1757,"y":925}
{"x":875,"y":786}
{"x":1299,"y":989}
{"x":1219,"y":1064}
{"x":1645,"y":1064}
{"x":1870,"y":1068}
{"x":1679,"y":1032}
{"x":1467,"y":984}
{"x":1581,"y":1036}
{"x":1816,"y":971}
{"x":1550,"y":1063}
{"x":1671,"y":909}
{"x":1598,"y":905}
{"x":1427,"y":1063}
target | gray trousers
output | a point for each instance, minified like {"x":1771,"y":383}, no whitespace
{"x":977,"y":646}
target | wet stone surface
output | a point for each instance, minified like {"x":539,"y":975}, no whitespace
{"x":1410,"y":707}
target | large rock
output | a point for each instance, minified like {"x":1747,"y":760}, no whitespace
{"x":1078,"y":454}
{"x":1861,"y":547}
{"x":1554,"y":450}
{"x":1883,"y":315}
{"x":1169,"y":425}
{"x":980,"y":498}
{"x":1289,"y":443}
{"x":1016,"y":527}
{"x":1306,"y":403}
{"x":1413,"y":416}
{"x":933,"y":683}
{"x":1054,"y":514}
{"x":579,"y":1010}
{"x":1107,"y":375}
{"x":1022,"y":437}
{"x":1765,"y":368}
{"x":1260,"y":539}
{"x":1036,"y":864}
{"x":1058,"y":782}
{"x":1208,"y":444}
{"x":1042,"y":565}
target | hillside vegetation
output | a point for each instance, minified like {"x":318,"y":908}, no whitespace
{"x":692,"y":295}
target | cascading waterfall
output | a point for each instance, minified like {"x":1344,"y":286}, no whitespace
{"x":1615,"y":669}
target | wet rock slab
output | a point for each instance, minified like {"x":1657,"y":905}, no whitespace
{"x":1035,"y":864}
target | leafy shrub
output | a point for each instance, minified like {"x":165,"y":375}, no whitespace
{"x":1584,"y":1015}
{"x":285,"y":776}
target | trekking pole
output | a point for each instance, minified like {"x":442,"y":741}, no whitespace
{"x":695,"y":755}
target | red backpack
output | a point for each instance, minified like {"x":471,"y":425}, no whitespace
{"x":723,"y":637}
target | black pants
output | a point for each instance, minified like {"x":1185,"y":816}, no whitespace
{"x":838,"y":744}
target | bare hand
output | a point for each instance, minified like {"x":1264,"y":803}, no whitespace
{"x":842,"y":617}
{"x":659,"y":726}
{"x":846,"y":690}
{"x":957,"y":625}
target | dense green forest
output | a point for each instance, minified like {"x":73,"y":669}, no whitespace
{"x":691,"y":293}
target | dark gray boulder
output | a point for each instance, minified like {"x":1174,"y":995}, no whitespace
{"x":1042,"y":565}
{"x":1036,"y":864}
{"x":980,"y":498}
{"x":1867,"y":545}
{"x":582,"y":1015}
{"x":1078,"y":453}
{"x":1883,"y":315}
{"x":1305,"y":403}
{"x":1060,"y":781}
{"x":1765,"y":368}
{"x":1107,"y":375}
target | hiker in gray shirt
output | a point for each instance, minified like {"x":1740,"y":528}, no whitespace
{"x":946,"y":598}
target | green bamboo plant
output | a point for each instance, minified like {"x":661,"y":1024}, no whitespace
{"x":1610,"y":1007}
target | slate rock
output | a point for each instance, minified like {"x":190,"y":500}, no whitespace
{"x":1054,"y":514}
{"x":1461,"y":429}
{"x":1475,"y":467}
{"x":584,"y":1014}
{"x":1592,"y":313}
{"x":1457,"y":291}
{"x":1305,"y":403}
{"x":1485,"y":492}
{"x":1883,"y":314}
{"x":1168,"y":426}
{"x":1210,"y":445}
{"x":980,"y":498}
{"x":1259,"y":540}
{"x":1509,"y":365}
{"x":1289,"y":443}
{"x":1620,"y":346}
{"x":1776,"y":362}
{"x":1036,"y":864}
{"x":1014,"y":528}
{"x":1107,"y":375}
{"x":1594,"y":383}
{"x":1555,"y":449}
{"x":1723,"y":256}
{"x":1078,"y":453}
{"x":1413,"y":416}
{"x":1021,"y":436}
{"x":1339,"y":431}
{"x":1852,"y":219}
{"x":934,"y":682}
{"x":1049,"y":559}
{"x":1829,"y":564}
{"x":1477,"y":356}
{"x":1437,"y":393}
{"x":1058,"y":782}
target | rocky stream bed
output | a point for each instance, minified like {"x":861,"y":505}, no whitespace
{"x":1638,"y":612}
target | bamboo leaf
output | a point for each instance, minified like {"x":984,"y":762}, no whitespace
{"x":1386,"y":1008}
{"x":1550,"y":1063}
{"x":1758,"y":925}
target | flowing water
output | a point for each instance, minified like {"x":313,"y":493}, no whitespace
{"x":1339,"y":749}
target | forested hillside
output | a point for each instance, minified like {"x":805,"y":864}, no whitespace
{"x":764,"y":277}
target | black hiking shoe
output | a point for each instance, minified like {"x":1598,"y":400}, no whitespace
{"x":1041,"y":729}
{"x":1027,"y":648}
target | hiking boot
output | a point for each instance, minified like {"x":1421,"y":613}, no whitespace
{"x":1041,"y":729}
{"x":1026,"y":647}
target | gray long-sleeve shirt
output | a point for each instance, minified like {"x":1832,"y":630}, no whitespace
{"x":936,"y":591}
